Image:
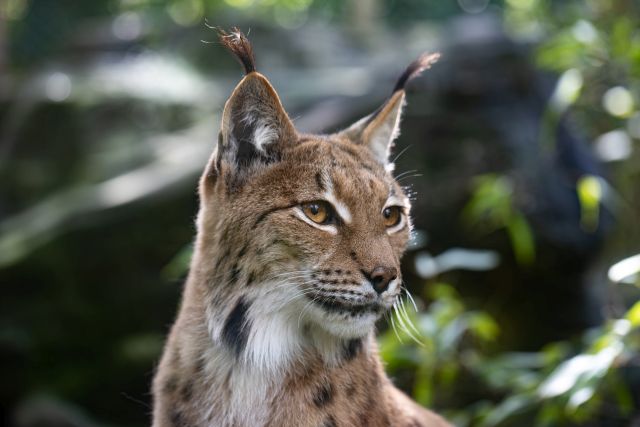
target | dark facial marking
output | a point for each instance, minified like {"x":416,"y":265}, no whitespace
{"x":323,"y":395}
{"x":268,"y":212}
{"x":236,"y":328}
{"x":338,"y":306}
{"x":319,"y":182}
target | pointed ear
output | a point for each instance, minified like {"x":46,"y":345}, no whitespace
{"x":255,"y":126}
{"x":379,"y":129}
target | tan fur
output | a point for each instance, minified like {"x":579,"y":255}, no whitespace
{"x":276,"y":324}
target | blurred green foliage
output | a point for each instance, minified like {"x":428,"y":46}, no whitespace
{"x":564,"y":383}
{"x":492,"y":207}
{"x":595,"y":46}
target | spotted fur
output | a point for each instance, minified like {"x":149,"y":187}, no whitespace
{"x":276,"y":324}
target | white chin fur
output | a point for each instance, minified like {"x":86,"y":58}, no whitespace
{"x":343,"y":325}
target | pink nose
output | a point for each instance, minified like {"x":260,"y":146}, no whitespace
{"x":380,"y":278}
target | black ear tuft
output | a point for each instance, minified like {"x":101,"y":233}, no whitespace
{"x":239,"y":45}
{"x":424,"y":62}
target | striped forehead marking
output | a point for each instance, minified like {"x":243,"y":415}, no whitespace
{"x":330,"y":196}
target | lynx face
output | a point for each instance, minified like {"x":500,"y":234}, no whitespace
{"x":338,"y":235}
{"x":323,"y":228}
{"x":300,"y":232}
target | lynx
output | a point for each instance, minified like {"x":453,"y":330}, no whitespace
{"x":297,"y":255}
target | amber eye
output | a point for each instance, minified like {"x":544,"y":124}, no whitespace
{"x":392,"y":215}
{"x":318,"y":212}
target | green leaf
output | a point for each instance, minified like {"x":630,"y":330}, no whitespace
{"x":522,"y":239}
{"x":633,"y":315}
{"x":589,"y":189}
{"x":483,"y":326}
{"x":508,"y":408}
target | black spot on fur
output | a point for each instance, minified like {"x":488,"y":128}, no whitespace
{"x":323,"y":395}
{"x":319,"y":182}
{"x":375,"y":379}
{"x":222,"y":259}
{"x":170,"y":385}
{"x":330,"y":421}
{"x":177,"y":419}
{"x":199,"y":368}
{"x":364,"y":418}
{"x":353,"y":256}
{"x":252,"y":278}
{"x":351,"y":388}
{"x":235,"y":272}
{"x":213,"y":173}
{"x":242,"y":252}
{"x":236,"y":328}
{"x":352,"y":349}
{"x":187,"y":391}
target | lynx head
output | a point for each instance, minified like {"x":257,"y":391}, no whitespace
{"x":308,"y":229}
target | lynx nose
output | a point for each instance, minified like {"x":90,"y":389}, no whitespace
{"x":380,"y":278}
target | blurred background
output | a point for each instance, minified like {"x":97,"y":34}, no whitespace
{"x":521,"y":148}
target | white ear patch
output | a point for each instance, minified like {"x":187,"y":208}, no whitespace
{"x":264,"y":134}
